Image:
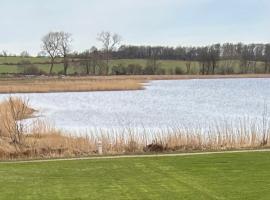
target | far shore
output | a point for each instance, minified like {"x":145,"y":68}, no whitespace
{"x":47,"y":84}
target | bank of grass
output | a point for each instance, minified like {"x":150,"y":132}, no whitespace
{"x":66,"y":85}
{"x":233,"y":176}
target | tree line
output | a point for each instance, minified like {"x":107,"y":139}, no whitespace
{"x":208,"y":56}
{"x":57,"y":45}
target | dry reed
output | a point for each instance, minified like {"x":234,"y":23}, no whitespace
{"x":40,"y":140}
{"x":67,"y":85}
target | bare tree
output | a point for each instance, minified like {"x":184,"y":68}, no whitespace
{"x":51,"y":44}
{"x":109,"y":42}
{"x":4,"y":54}
{"x":266,"y":58}
{"x":65,"y":47}
{"x":24,"y":54}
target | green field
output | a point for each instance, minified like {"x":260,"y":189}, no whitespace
{"x":168,"y":65}
{"x":217,"y":176}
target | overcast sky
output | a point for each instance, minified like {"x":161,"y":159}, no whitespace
{"x":147,"y":22}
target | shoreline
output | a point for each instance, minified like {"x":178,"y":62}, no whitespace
{"x":55,"y":84}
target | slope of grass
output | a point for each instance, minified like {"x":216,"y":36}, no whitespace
{"x":223,"y":176}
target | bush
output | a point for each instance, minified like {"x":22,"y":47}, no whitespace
{"x":42,"y":72}
{"x":149,"y":70}
{"x":31,"y":70}
{"x":179,"y":71}
{"x":119,"y":70}
{"x":160,"y":71}
{"x":61,"y":72}
{"x":134,"y":69}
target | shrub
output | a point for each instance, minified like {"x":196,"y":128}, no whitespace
{"x":134,"y":69}
{"x":179,"y":71}
{"x":160,"y":71}
{"x":42,"y":72}
{"x":31,"y":70}
{"x":119,"y":70}
{"x":61,"y":72}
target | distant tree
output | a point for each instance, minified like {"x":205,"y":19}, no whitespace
{"x":190,"y":53}
{"x":41,"y":54}
{"x":214,"y":55}
{"x":4,"y":53}
{"x":86,"y":61}
{"x":203,"y":59}
{"x":25,"y":54}
{"x":64,"y":47}
{"x":228,"y":56}
{"x":266,"y":58}
{"x":92,"y":61}
{"x":51,"y":45}
{"x":109,"y":42}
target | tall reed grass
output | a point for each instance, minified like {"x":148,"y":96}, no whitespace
{"x":68,"y":85}
{"x":41,"y":140}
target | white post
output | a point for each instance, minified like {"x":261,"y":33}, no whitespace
{"x":99,"y":148}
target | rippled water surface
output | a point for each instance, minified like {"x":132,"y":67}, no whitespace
{"x":161,"y":104}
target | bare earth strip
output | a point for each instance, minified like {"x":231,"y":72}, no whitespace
{"x":135,"y":156}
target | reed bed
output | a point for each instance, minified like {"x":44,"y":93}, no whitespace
{"x":42,"y":84}
{"x":11,"y":111}
{"x":42,"y":140}
{"x":68,"y":85}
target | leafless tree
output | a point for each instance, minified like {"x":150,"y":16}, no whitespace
{"x":51,"y":45}
{"x":109,"y":42}
{"x":25,"y":54}
{"x":4,"y":54}
{"x":266,"y":58}
{"x":65,"y":47}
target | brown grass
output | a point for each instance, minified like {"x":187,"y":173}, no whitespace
{"x":11,"y":110}
{"x":97,"y":83}
{"x":40,"y":140}
{"x":67,"y":85}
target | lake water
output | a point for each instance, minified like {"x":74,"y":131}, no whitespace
{"x":162,"y":104}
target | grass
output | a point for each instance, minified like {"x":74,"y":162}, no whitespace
{"x":223,"y":176}
{"x":168,"y":65}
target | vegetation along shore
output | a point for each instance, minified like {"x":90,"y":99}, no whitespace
{"x":46,"y":84}
{"x":41,"y":140}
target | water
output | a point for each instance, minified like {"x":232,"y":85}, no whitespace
{"x":162,"y":104}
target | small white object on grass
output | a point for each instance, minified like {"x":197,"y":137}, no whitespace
{"x":99,"y":148}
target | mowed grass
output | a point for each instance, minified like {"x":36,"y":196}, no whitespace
{"x":217,"y":176}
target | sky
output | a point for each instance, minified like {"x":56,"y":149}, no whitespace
{"x":140,"y":22}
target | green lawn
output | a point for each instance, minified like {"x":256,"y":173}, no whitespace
{"x":221,"y":176}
